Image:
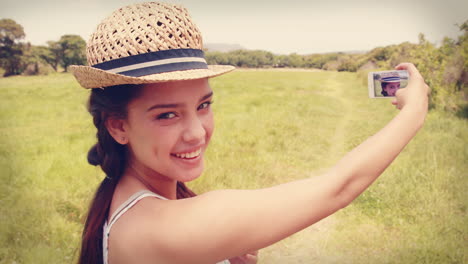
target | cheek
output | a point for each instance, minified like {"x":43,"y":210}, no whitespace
{"x":148,"y":142}
{"x":164,"y":140}
{"x":208,"y":124}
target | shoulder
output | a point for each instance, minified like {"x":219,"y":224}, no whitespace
{"x":177,"y":231}
{"x":141,"y":234}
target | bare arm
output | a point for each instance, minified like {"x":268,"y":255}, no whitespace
{"x":360,"y":167}
{"x":222,"y":224}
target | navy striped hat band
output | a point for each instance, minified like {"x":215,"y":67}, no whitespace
{"x":156,"y":62}
{"x":391,"y":79}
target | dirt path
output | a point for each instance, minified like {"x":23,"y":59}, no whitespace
{"x":310,"y":245}
{"x":337,"y":149}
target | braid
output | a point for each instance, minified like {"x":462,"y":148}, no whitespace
{"x":384,"y":92}
{"x":111,"y":157}
{"x":183,"y":191}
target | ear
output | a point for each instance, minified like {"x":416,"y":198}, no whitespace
{"x":117,"y":129}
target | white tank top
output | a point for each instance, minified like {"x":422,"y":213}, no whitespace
{"x":120,"y":211}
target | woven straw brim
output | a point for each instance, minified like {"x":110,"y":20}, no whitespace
{"x":90,"y":77}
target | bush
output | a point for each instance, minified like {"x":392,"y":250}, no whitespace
{"x":37,"y":69}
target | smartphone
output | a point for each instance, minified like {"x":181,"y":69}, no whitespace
{"x":384,"y":84}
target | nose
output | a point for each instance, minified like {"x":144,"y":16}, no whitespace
{"x":194,"y":131}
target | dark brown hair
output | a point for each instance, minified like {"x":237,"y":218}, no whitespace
{"x":111,"y":156}
{"x":384,"y":86}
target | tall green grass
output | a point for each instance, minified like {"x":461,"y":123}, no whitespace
{"x":271,"y":127}
{"x":416,"y":212}
{"x":45,"y":183}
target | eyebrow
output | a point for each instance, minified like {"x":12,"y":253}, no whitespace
{"x":174,"y":105}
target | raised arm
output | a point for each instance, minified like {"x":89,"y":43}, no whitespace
{"x":360,"y":167}
{"x":222,"y":224}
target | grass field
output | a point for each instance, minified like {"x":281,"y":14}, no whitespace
{"x":271,"y":127}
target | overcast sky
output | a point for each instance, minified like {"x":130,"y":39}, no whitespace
{"x":287,"y":26}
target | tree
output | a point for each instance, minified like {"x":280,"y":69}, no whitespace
{"x":72,"y":49}
{"x":216,"y":57}
{"x":295,"y":60}
{"x":53,"y":55}
{"x":36,"y":59}
{"x":29,"y":60}
{"x":11,"y":49}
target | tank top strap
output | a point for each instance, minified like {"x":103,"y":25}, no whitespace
{"x":129,"y":203}
{"x":120,"y":211}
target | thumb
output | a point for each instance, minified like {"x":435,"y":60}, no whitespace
{"x":414,"y":74}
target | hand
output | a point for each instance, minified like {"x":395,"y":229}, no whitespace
{"x":416,"y":93}
{"x":249,"y":258}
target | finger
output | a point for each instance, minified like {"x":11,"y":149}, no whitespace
{"x":399,"y":93}
{"x":250,"y":259}
{"x":241,"y":259}
{"x":412,"y":70}
{"x":398,"y":96}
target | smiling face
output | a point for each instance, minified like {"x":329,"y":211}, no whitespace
{"x":168,"y":128}
{"x":391,"y":88}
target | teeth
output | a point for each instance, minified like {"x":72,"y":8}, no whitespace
{"x":189,"y":155}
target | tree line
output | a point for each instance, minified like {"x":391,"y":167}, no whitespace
{"x":444,"y":66}
{"x":17,"y":57}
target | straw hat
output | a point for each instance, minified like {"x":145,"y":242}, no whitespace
{"x":145,"y":43}
{"x":390,"y":77}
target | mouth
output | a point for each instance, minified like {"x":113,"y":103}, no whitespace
{"x":188,"y":155}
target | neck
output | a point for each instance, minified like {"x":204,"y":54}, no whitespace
{"x":152,"y":181}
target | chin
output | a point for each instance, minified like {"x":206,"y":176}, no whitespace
{"x":189,"y":176}
{"x":184,"y":174}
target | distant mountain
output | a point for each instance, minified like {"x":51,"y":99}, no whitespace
{"x":355,"y":51}
{"x":222,"y":47}
{"x":340,"y":51}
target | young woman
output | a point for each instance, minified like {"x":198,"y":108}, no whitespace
{"x":150,"y":103}
{"x":390,"y":83}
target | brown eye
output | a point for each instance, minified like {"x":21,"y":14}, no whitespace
{"x":168,"y":115}
{"x":204,"y":105}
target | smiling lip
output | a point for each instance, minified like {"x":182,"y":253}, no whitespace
{"x":190,"y":155}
